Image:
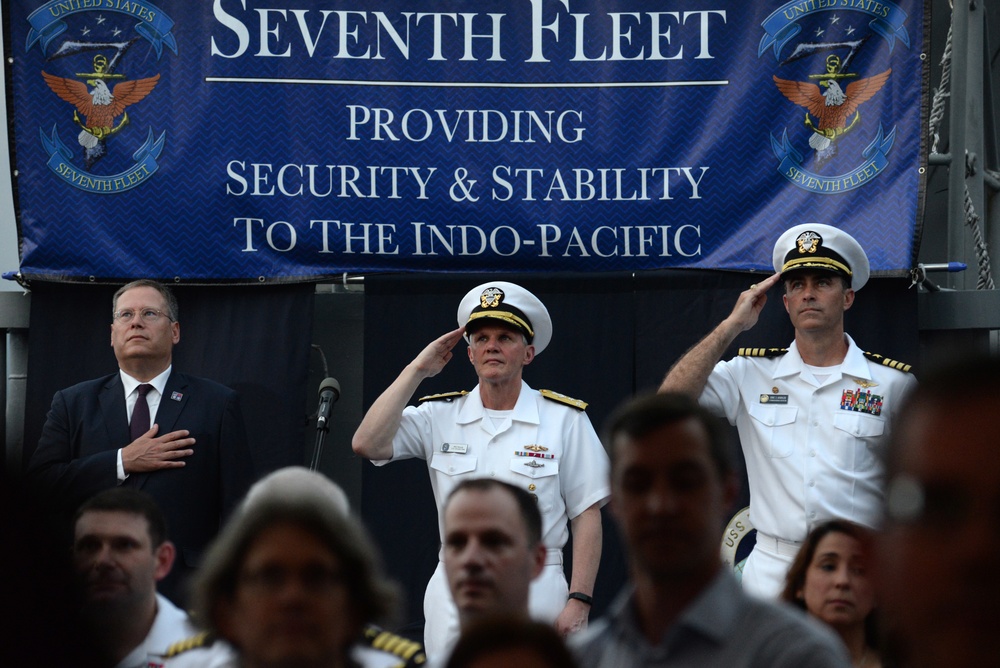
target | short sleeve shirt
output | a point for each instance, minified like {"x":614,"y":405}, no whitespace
{"x":543,"y":446}
{"x":813,"y":452}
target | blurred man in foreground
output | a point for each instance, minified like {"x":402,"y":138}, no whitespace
{"x":672,"y":482}
{"x":938,"y":558}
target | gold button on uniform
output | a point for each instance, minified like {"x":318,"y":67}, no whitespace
{"x":531,"y":487}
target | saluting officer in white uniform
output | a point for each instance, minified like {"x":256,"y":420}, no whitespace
{"x":812,"y":417}
{"x":540,"y":441}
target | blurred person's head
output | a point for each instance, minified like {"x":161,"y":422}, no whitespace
{"x":291,"y":481}
{"x":502,"y":642}
{"x":672,"y":484}
{"x":938,"y":557}
{"x":492,"y":548}
{"x":831,"y":579}
{"x":120,"y":552}
{"x":292,"y":580}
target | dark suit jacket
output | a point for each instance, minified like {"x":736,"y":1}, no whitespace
{"x":87,"y":424}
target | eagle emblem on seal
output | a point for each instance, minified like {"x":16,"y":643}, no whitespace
{"x":99,"y":105}
{"x":830,"y":103}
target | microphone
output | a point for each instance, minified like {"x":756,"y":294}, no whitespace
{"x":329,"y":392}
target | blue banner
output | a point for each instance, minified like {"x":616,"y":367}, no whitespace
{"x":256,"y":140}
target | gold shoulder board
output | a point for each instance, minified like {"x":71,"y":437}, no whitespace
{"x":411,"y":652}
{"x":563,"y":399}
{"x":203,"y":639}
{"x":444,"y":396}
{"x":761,"y":352}
{"x":892,"y":364}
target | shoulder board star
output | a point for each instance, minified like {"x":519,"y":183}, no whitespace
{"x":444,"y":396}
{"x":412,"y":653}
{"x":761,"y":352}
{"x":203,"y":639}
{"x":563,"y":399}
{"x":892,"y":364}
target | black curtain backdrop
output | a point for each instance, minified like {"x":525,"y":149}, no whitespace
{"x":615,"y":335}
{"x":253,"y":339}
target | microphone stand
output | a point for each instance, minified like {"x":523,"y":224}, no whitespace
{"x":321,"y":431}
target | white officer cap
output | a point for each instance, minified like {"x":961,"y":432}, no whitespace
{"x":511,"y":304}
{"x":821,"y":247}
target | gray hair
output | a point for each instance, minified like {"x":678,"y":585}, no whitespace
{"x":292,"y":481}
{"x":371,"y":594}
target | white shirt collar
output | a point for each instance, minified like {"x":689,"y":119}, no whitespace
{"x":525,"y":410}
{"x":158,"y":383}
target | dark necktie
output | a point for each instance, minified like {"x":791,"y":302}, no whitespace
{"x":140,"y":413}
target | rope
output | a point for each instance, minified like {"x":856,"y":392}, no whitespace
{"x":984,"y":280}
{"x":941,"y":93}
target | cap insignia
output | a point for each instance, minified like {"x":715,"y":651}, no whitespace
{"x":808,"y":242}
{"x":491,"y":297}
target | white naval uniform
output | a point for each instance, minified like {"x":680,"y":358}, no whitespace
{"x":170,"y":626}
{"x":570,"y":477}
{"x":808,"y":458}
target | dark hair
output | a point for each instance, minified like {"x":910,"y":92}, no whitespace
{"x":491,"y":635}
{"x":168,"y":295}
{"x":371,"y":595}
{"x":795,"y":579}
{"x":645,"y":414}
{"x":526,"y":503}
{"x":129,"y":500}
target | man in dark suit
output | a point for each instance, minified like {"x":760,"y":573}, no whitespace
{"x":179,"y":438}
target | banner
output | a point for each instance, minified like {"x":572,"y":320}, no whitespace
{"x":256,"y":140}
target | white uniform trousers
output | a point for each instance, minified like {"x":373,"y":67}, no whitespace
{"x":547,"y":598}
{"x":765,"y":569}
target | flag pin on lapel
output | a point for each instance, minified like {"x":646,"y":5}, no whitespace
{"x":176,"y":396}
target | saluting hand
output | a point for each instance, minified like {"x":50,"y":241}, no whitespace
{"x":150,"y":452}
{"x":751,"y":303}
{"x":438,"y":353}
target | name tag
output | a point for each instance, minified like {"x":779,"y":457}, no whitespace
{"x":774,"y":398}
{"x":457,"y":448}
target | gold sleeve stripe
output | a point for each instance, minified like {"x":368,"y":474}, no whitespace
{"x":761,"y":352}
{"x":193,"y":642}
{"x":892,"y":364}
{"x":398,"y":645}
{"x":444,"y":396}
